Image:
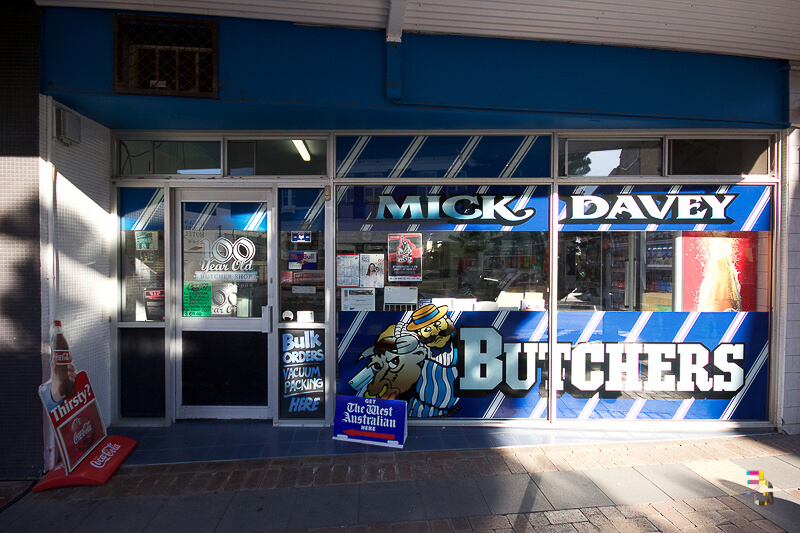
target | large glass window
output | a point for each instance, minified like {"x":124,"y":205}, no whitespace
{"x":302,"y":254}
{"x":141,"y":212}
{"x":442,"y":295}
{"x":663,"y":300}
{"x":279,"y":157}
{"x":168,"y":157}
{"x":609,"y":157}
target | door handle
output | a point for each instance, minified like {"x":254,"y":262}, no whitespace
{"x":266,"y":319}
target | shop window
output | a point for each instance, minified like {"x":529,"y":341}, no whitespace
{"x":663,"y":302}
{"x":168,"y":157}
{"x":141,"y":212}
{"x":285,"y":157}
{"x":165,"y":56}
{"x":731,"y":157}
{"x":442,"y":295}
{"x":609,"y":157}
{"x":302,"y":255}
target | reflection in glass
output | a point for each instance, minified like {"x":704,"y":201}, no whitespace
{"x":609,"y":158}
{"x":664,"y":271}
{"x":285,"y":157}
{"x":224,"y":259}
{"x":302,"y":254}
{"x":733,"y":157}
{"x":141,"y":212}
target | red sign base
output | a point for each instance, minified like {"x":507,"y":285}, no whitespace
{"x":96,"y":469}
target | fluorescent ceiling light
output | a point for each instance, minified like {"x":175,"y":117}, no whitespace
{"x":301,"y":149}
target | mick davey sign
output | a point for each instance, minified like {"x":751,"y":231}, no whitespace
{"x":370,"y":420}
{"x":302,"y":369}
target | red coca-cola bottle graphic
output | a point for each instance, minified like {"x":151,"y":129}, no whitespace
{"x":62,"y":358}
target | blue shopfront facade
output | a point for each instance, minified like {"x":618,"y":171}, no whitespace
{"x":499,"y":230}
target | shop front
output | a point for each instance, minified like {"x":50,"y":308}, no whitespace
{"x":504,"y":279}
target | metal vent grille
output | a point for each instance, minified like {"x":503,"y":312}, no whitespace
{"x":165,"y":56}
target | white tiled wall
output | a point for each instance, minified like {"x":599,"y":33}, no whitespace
{"x":84,"y":291}
{"x":791,"y":392}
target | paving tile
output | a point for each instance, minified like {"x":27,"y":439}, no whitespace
{"x":328,"y":506}
{"x":570,"y":490}
{"x":515,"y":493}
{"x":389,"y":502}
{"x":122,"y":515}
{"x":724,"y":474}
{"x":778,"y":472}
{"x":47,"y":515}
{"x":190,"y":513}
{"x":784,"y":512}
{"x":626,"y":486}
{"x":258,"y":511}
{"x":679,"y":482}
{"x":451,"y":498}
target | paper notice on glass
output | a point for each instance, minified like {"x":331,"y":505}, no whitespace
{"x":405,"y":257}
{"x":372,"y":270}
{"x":361,"y":299}
{"x":347,"y":270}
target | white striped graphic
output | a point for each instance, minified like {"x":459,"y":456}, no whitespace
{"x":538,"y":411}
{"x":521,"y":203}
{"x":686,"y":404}
{"x":205,"y":214}
{"x":256,"y":218}
{"x":352,"y":156}
{"x":721,"y":190}
{"x":633,"y":336}
{"x":481,"y":190}
{"x":734,"y":327}
{"x":636,"y":409}
{"x":341,"y":192}
{"x":588,"y":409}
{"x":686,"y":327}
{"x":675,"y":189}
{"x":748,"y":380}
{"x":516,"y":159}
{"x":757,"y":210}
{"x":386,"y":190}
{"x":680,"y":336}
{"x":637,"y":328}
{"x":434,"y":190}
{"x":579,"y":190}
{"x":408,"y":156}
{"x":538,"y":333}
{"x":314,"y":211}
{"x":463,"y":156}
{"x":597,"y":316}
{"x":149,"y":210}
{"x":351,"y":332}
{"x":498,"y":397}
{"x":625,"y":190}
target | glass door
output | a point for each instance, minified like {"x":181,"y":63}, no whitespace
{"x":223,"y":318}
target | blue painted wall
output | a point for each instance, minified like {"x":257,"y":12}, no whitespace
{"x":276,"y":75}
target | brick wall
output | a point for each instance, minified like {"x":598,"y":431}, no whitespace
{"x":20,"y":294}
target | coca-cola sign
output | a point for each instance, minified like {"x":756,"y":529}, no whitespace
{"x":108,"y":451}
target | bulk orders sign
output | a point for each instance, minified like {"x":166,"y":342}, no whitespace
{"x":701,"y":363}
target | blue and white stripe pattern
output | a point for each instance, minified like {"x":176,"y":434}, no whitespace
{"x":443,"y":156}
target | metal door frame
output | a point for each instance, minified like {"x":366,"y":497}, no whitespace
{"x":263,"y":193}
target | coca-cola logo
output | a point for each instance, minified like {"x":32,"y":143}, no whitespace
{"x":62,"y":356}
{"x":82,"y":433}
{"x":108,"y":451}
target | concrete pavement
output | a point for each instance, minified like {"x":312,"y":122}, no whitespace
{"x":668,"y":486}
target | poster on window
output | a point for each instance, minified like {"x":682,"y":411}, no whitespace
{"x":372,"y":270}
{"x":405,"y":257}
